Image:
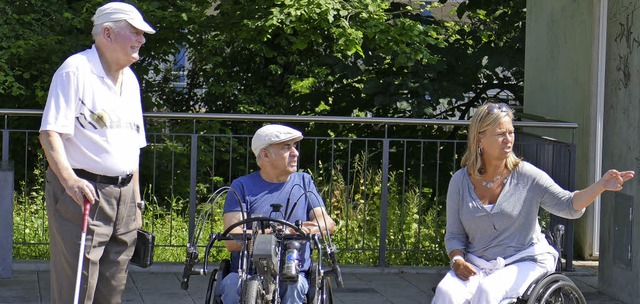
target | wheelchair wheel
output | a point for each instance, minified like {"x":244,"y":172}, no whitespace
{"x":563,"y":292}
{"x":319,"y":287}
{"x":210,"y":296}
{"x":556,"y":289}
{"x":213,"y":294}
{"x":252,"y":292}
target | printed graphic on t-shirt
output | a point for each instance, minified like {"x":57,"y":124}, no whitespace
{"x":101,"y":119}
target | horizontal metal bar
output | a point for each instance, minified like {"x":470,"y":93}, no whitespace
{"x":316,"y":119}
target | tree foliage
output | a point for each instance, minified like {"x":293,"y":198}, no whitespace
{"x":38,"y":35}
{"x":314,"y":57}
{"x":484,"y":56}
{"x":311,"y":57}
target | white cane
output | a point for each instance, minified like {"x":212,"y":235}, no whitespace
{"x":83,"y":238}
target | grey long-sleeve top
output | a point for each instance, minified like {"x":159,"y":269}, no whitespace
{"x":512,"y":226}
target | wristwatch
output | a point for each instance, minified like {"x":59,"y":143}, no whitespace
{"x":141,"y":205}
{"x":455,"y":258}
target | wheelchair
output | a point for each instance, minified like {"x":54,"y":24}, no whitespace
{"x":552,"y":287}
{"x":262,"y":259}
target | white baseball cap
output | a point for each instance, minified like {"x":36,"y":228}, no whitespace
{"x":116,"y":11}
{"x":272,"y":134}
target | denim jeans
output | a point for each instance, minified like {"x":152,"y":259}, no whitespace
{"x":230,"y":289}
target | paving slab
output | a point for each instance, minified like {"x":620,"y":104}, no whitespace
{"x":160,"y":284}
{"x":21,"y":288}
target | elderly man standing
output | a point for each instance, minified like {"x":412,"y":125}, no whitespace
{"x":91,"y":132}
{"x":277,"y":181}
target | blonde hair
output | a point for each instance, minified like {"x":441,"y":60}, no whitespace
{"x":486,"y":117}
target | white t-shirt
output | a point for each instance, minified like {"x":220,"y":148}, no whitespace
{"x":102,"y":130}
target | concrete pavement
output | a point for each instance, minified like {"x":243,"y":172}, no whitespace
{"x":160,"y":284}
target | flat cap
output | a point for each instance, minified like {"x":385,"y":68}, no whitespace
{"x":272,"y":134}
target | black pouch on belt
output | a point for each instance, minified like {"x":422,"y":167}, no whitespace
{"x":143,"y":254}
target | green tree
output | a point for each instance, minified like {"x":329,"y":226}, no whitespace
{"x":484,"y":56}
{"x":320,"y":57}
{"x":37,"y":35}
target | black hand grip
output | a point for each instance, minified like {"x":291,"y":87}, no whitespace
{"x":558,"y":233}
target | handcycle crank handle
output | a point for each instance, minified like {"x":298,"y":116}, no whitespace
{"x":187,"y":273}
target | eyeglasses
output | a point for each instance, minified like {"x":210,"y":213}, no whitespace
{"x":498,"y":107}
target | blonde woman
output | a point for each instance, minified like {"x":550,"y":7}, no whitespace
{"x":493,"y":236}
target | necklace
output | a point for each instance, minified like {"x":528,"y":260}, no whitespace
{"x":493,"y":181}
{"x":490,"y":184}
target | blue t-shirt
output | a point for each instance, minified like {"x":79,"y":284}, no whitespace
{"x":299,"y":193}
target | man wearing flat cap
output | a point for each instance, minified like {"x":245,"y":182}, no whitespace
{"x":276,"y":182}
{"x":92,"y":132}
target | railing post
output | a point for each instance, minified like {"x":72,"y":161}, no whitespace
{"x":5,"y":145}
{"x":192,"y":185}
{"x":6,"y":209}
{"x":384,"y":201}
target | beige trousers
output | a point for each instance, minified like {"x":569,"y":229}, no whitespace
{"x":110,"y":241}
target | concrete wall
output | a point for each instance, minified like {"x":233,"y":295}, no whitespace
{"x":619,"y":271}
{"x":560,"y":83}
{"x":6,"y":219}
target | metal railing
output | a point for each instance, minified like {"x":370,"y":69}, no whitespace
{"x":381,"y":184}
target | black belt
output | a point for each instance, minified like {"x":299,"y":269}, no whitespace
{"x":119,"y":181}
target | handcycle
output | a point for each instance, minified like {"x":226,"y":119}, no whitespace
{"x":262,"y":257}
